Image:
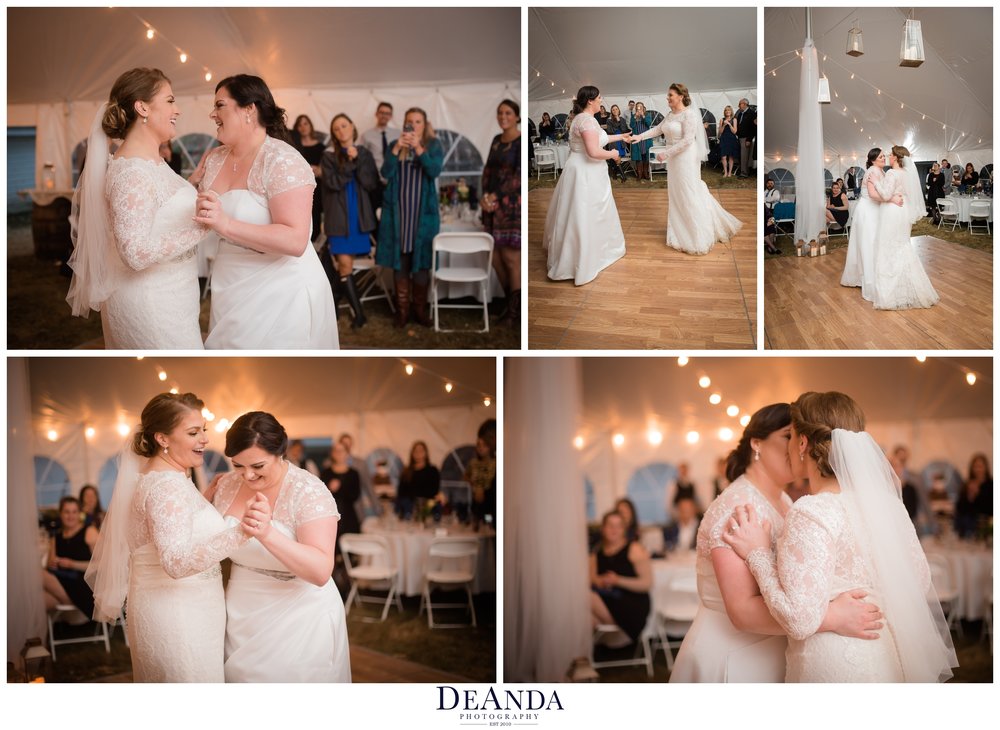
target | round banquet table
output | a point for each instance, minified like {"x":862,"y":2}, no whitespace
{"x":562,"y":152}
{"x":971,"y":567}
{"x":409,"y":543}
{"x":678,"y":564}
{"x":962,"y":203}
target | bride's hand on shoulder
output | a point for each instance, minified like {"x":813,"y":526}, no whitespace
{"x":746,"y":532}
{"x":257,"y":518}
{"x":209,"y":212}
{"x":849,"y":615}
{"x":898,"y":199}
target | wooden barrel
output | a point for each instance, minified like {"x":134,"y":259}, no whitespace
{"x":50,"y":230}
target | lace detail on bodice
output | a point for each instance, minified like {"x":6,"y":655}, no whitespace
{"x":188,"y":534}
{"x":891,"y":183}
{"x":585,"y":123}
{"x":151,"y":209}
{"x":873,"y":175}
{"x":301,"y":499}
{"x":277,"y":168}
{"x":716,"y":520}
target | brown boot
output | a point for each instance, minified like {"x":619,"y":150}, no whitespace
{"x":402,"y":301}
{"x":514,"y":310}
{"x":420,"y":304}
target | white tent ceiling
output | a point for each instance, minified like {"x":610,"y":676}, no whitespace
{"x":953,"y":87}
{"x":637,"y":51}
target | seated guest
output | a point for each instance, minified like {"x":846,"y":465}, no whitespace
{"x":69,"y":555}
{"x":602,"y":117}
{"x":935,"y":191}
{"x":481,"y":474}
{"x":770,"y":232}
{"x":971,"y":178}
{"x":420,"y":480}
{"x":620,"y":578}
{"x":296,"y":454}
{"x":547,"y":128}
{"x":975,"y":502}
{"x":626,"y":508}
{"x":772,"y":196}
{"x":90,"y":506}
{"x":683,"y":533}
{"x":685,"y":487}
{"x":837,"y":211}
{"x":344,"y":484}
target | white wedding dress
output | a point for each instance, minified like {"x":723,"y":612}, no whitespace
{"x":583,"y":234}
{"x":156,"y":304}
{"x":859,"y":268}
{"x":817,"y":558}
{"x":713,"y":649}
{"x":695,"y":219}
{"x":900,"y":281}
{"x":263,"y":301}
{"x":279,"y":627}
{"x":176,"y":611}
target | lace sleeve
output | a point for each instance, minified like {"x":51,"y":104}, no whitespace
{"x":171,"y":506}
{"x":650,"y":133}
{"x":284,"y":168}
{"x":690,"y":126}
{"x":309,"y":499}
{"x":886,"y":186}
{"x":587,"y":123}
{"x":147,"y":232}
{"x":796,"y":583}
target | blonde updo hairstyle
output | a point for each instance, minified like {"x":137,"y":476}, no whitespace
{"x":815,"y":415}
{"x":899,"y":152}
{"x":161,"y":415}
{"x":683,"y":91}
{"x":139,"y":84}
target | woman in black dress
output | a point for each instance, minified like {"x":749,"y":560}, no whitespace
{"x":729,"y":143}
{"x":836,"y":207}
{"x":501,"y":204}
{"x":90,"y":505}
{"x":971,"y":178}
{"x":69,"y":555}
{"x":620,"y":576}
{"x":975,"y":503}
{"x":546,"y":128}
{"x":617,"y":125}
{"x":420,"y":480}
{"x":344,"y":484}
{"x":311,"y":147}
{"x":935,"y":191}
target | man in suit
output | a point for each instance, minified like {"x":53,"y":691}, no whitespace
{"x":683,"y":533}
{"x":746,"y":130}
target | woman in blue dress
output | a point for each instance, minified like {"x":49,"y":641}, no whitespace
{"x":729,"y":143}
{"x":641,"y":122}
{"x":349,"y":176}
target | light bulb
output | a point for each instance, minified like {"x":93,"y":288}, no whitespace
{"x":208,"y":76}
{"x":682,"y":361}
{"x":52,"y":435}
{"x":970,"y":378}
{"x":692,"y":437}
{"x":715,"y":399}
{"x":123,"y":429}
{"x":578,"y":443}
{"x":408,"y":369}
{"x":90,"y":432}
{"x":654,"y":436}
{"x":487,"y":402}
{"x":733,"y":411}
{"x":744,"y":419}
{"x":162,"y":375}
{"x":184,"y":57}
{"x":618,"y":440}
{"x":150,"y":33}
{"x":449,"y":387}
{"x":725,"y":434}
{"x":921,"y":358}
{"x":704,"y":381}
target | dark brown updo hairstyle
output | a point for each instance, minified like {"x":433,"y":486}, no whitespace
{"x":815,"y":415}
{"x":899,"y":152}
{"x":161,"y":415}
{"x":256,"y":429}
{"x":762,"y":424}
{"x":341,"y":153}
{"x":584,"y":96}
{"x":139,"y":84}
{"x":873,"y":154}
{"x":246,"y":90}
{"x":683,"y":91}
{"x":513,"y":106}
{"x":429,"y":133}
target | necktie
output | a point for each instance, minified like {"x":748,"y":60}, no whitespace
{"x":385,"y":144}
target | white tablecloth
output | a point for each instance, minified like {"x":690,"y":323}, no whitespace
{"x":962,"y":202}
{"x":680,"y":564}
{"x":409,"y":544}
{"x":971,"y":565}
{"x":455,"y":290}
{"x":46,"y":196}
{"x":562,"y":152}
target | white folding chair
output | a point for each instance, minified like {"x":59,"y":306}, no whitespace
{"x":676,"y":613}
{"x":651,"y":538}
{"x":833,"y":229}
{"x":369,"y":280}
{"x":947,"y":211}
{"x":988,"y":611}
{"x":644,"y":644}
{"x":655,"y":165}
{"x":545,"y":159}
{"x":451,"y":565}
{"x":64,"y":609}
{"x":945,"y":588}
{"x":980,"y":210}
{"x":369,"y":564}
{"x":462,"y":244}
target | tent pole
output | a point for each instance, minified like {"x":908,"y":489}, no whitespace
{"x":809,"y":23}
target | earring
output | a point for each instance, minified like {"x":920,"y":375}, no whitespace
{"x":166,"y":449}
{"x":802,"y":457}
{"x":248,"y":119}
{"x":145,"y":119}
{"x":756,"y":455}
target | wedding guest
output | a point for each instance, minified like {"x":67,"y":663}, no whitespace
{"x":746,"y":130}
{"x":70,"y":552}
{"x":837,"y":211}
{"x":172,"y":159}
{"x":420,"y":480}
{"x":971,"y":178}
{"x":370,"y":504}
{"x":975,"y":501}
{"x":620,"y":578}
{"x":410,"y":216}
{"x":641,"y":122}
{"x":626,"y":508}
{"x":344,"y":484}
{"x":772,"y":196}
{"x":90,"y":505}
{"x":296,"y":455}
{"x":380,"y":138}
{"x":349,"y":178}
{"x":310,"y":146}
{"x":480,"y":473}
{"x":685,"y":487}
{"x":547,"y":128}
{"x":683,"y":533}
{"x":617,"y":125}
{"x":729,"y":143}
{"x":909,"y":492}
{"x":770,"y":232}
{"x":720,"y":481}
{"x":631,"y":109}
{"x":946,"y":171}
{"x":501,"y":204}
{"x":935,"y":191}
{"x":602,"y":117}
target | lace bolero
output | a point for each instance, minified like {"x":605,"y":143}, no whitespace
{"x":301,"y":499}
{"x":277,"y":168}
{"x":146,"y":229}
{"x":165,"y":510}
{"x":583,"y":122}
{"x":875,"y":176}
{"x":716,"y":520}
{"x":890,"y":183}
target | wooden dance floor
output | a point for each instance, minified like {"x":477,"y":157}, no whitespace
{"x":655,"y":297}
{"x":805,"y":307}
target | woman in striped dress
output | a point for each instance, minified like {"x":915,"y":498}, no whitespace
{"x":641,"y":122}
{"x":410,"y":217}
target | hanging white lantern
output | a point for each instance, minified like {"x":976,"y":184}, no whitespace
{"x":855,"y":43}
{"x":911,"y":50}
{"x":823,"y":97}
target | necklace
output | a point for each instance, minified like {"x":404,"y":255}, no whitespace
{"x":252,"y":153}
{"x":169,"y":463}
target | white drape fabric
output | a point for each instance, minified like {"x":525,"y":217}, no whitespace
{"x":546,"y":604}
{"x":810,"y":207}
{"x":25,"y":612}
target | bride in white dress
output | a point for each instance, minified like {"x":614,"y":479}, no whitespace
{"x":134,"y":240}
{"x":859,"y":268}
{"x":695,"y":220}
{"x":285,"y":618}
{"x":851,"y":530}
{"x":583,"y":234}
{"x":733,"y":637}
{"x":269,"y":290}
{"x":900,"y":281}
{"x":160,"y":545}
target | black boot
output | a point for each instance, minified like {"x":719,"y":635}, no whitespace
{"x":402,"y":301}
{"x":326,"y":259}
{"x":621,"y":173}
{"x":351,"y":292}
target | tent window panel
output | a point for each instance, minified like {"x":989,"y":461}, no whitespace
{"x":192,"y":148}
{"x":713,"y":128}
{"x":784,"y":181}
{"x":51,"y":482}
{"x":453,"y":485}
{"x":20,"y":167}
{"x":647,"y":488}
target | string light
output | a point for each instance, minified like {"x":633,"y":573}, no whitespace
{"x":715,"y":399}
{"x":184,"y":57}
{"x":682,"y":361}
{"x":208,"y":76}
{"x":448,"y":387}
{"x":162,"y":375}
{"x":744,"y":419}
{"x":90,"y":432}
{"x":150,"y":33}
{"x":487,"y":401}
{"x":725,"y":434}
{"x":970,"y":378}
{"x":52,"y":435}
{"x":174,"y":390}
{"x":123,"y":429}
{"x":408,"y":369}
{"x":692,"y":437}
{"x":654,"y":436}
{"x":618,"y":440}
{"x":733,"y":411}
{"x":921,"y":358}
{"x":704,"y":381}
{"x":578,"y":443}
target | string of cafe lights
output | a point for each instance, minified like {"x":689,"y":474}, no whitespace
{"x":151,"y":33}
{"x":538,"y":76}
{"x":450,"y":385}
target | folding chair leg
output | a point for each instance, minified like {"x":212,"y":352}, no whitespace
{"x":388,"y":600}
{"x":351,"y":598}
{"x":472,"y":606}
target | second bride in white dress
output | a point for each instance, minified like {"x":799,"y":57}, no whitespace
{"x":583,"y":234}
{"x":695,"y":219}
{"x":269,"y":290}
